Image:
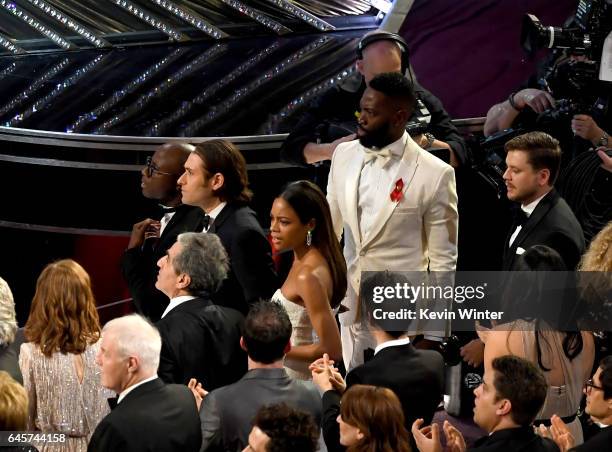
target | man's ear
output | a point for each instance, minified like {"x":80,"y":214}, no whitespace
{"x":287,"y":348}
{"x":217,"y":181}
{"x":183,"y":282}
{"x":133,"y":364}
{"x":243,"y":344}
{"x":504,"y":408}
{"x":402,"y":116}
{"x":359,"y":66}
{"x":544,"y":177}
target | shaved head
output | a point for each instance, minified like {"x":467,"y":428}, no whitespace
{"x":174,"y":155}
{"x":380,"y":57}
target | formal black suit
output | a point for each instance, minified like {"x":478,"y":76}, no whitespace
{"x":227,"y":412}
{"x":252,"y":276}
{"x":139,"y":265}
{"x":415,"y":376}
{"x":553,"y":224}
{"x":598,"y":443}
{"x":154,"y":417}
{"x":521,"y":439}
{"x":201,"y":340}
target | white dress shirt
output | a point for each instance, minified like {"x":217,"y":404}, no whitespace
{"x":392,"y":343}
{"x":131,"y":388}
{"x":528,"y":209}
{"x":376,"y":184}
{"x":164,"y":221}
{"x":174,"y":302}
{"x":214,"y":214}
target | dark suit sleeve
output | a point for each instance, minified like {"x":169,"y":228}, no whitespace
{"x":441,"y":125}
{"x":135,"y":271}
{"x":352,"y":378}
{"x":168,"y":363}
{"x":252,"y":264}
{"x":107,"y":438}
{"x":321,"y":109}
{"x":210,"y":421}
{"x":569,"y":250}
{"x":329,"y":425}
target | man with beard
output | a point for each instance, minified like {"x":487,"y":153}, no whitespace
{"x":151,"y":238}
{"x":395,"y":202}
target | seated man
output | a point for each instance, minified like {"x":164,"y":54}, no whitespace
{"x":148,"y":414}
{"x":281,"y":428}
{"x":507,"y":402}
{"x":598,"y":392}
{"x":227,"y":412}
{"x":199,"y":339}
{"x":158,"y":183}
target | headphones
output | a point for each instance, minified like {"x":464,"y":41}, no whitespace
{"x":384,"y":36}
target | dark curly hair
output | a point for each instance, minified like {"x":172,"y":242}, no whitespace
{"x":289,"y":429}
{"x":395,"y":86}
{"x":266,"y":332}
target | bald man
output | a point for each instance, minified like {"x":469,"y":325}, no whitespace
{"x":151,"y":238}
{"x":331,"y":118}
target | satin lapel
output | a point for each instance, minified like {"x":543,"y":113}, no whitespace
{"x":353,"y":173}
{"x":406,"y":171}
{"x":540,"y":212}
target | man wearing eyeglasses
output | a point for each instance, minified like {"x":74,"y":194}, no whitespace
{"x":151,"y":238}
{"x":598,"y":392}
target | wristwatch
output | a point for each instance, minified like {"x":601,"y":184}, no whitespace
{"x":603,"y":141}
{"x":430,"y":139}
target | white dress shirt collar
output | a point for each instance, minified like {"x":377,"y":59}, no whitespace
{"x":176,"y":301}
{"x":392,"y":343}
{"x":216,"y":211}
{"x":529,"y":208}
{"x":134,"y":386}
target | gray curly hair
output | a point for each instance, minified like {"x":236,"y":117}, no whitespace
{"x":204,"y":259}
{"x":8,"y":321}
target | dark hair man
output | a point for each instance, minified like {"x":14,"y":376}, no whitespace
{"x":215,"y":179}
{"x":151,"y":238}
{"x":266,"y":338}
{"x":544,"y":218}
{"x":199,"y":339}
{"x":280,"y":428}
{"x":395,"y":203}
{"x":378,"y":52}
{"x":511,"y":394}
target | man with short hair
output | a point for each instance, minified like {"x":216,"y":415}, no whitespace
{"x":280,"y":428}
{"x":148,"y":415}
{"x":511,"y":395}
{"x":151,"y":238}
{"x":598,"y":392}
{"x":199,"y":339}
{"x":395,"y":203}
{"x":215,"y":179}
{"x":314,"y":138}
{"x":226,"y":413}
{"x":544,"y":218}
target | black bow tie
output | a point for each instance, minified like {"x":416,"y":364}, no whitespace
{"x":112,"y":402}
{"x":206,"y":220}
{"x":520,"y":217}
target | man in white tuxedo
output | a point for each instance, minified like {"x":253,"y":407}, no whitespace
{"x":395,"y":202}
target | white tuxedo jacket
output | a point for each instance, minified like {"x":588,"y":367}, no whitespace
{"x":415,"y":234}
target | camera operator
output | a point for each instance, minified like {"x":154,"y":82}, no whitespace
{"x":331,"y":119}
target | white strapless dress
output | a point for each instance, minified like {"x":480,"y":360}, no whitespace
{"x":302,"y":334}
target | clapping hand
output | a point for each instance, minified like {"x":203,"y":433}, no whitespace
{"x":198,"y":391}
{"x":325,"y":376}
{"x":427,"y":438}
{"x":558,"y":432}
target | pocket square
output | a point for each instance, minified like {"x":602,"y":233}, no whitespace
{"x":520,"y":250}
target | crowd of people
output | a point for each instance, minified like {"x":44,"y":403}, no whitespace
{"x":222,"y":354}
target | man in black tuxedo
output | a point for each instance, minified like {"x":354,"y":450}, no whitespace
{"x":151,"y":238}
{"x":598,"y":392}
{"x":544,"y":218}
{"x":227,"y":412}
{"x":507,"y":402}
{"x":415,"y":376}
{"x":147,"y":415}
{"x":215,"y":179}
{"x":199,"y":339}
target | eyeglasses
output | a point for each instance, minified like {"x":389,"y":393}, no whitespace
{"x":589,"y":384}
{"x":152,"y":168}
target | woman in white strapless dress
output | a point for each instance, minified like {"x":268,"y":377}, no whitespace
{"x":316,"y":284}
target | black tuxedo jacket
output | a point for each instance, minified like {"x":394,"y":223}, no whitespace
{"x":553,"y":224}
{"x":139,"y":265}
{"x":599,"y":442}
{"x":154,"y":417}
{"x":415,"y":376}
{"x":521,"y":439}
{"x":252,"y":276}
{"x":201,"y":340}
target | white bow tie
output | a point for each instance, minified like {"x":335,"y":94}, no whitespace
{"x":381,"y":156}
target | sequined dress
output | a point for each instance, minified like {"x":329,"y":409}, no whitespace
{"x":59,"y":401}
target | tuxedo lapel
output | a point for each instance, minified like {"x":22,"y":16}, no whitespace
{"x":406,"y":170}
{"x":353,"y":174}
{"x":534,"y":219}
